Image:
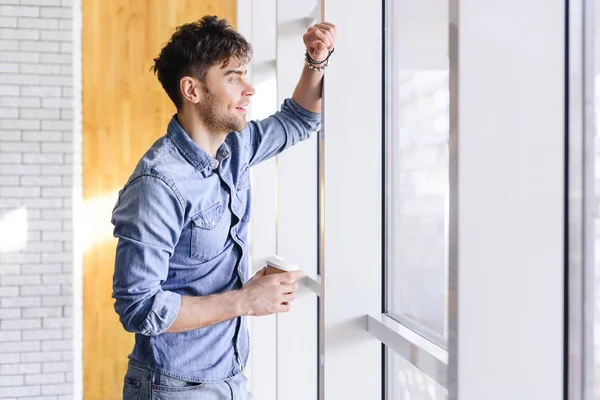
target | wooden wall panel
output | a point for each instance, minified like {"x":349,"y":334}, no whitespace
{"x":124,"y":111}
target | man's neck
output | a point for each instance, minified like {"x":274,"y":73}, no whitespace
{"x":200,"y":134}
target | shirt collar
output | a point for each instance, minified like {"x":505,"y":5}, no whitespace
{"x":190,"y":150}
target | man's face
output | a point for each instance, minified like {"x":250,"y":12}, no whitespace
{"x":226,"y":94}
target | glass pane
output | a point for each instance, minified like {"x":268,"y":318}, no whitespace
{"x":406,"y":382}
{"x":418,"y":163}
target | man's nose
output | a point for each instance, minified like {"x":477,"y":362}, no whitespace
{"x":250,"y":90}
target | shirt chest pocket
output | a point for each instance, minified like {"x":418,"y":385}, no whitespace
{"x":209,"y":233}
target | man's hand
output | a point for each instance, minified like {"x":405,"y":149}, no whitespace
{"x":319,"y":40}
{"x":269,"y":294}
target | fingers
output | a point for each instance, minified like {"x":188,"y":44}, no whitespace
{"x":289,"y":287}
{"x":321,"y":36}
{"x":329,"y":40}
{"x":294,"y":275}
{"x":326,"y":25}
{"x":329,"y":24}
{"x":289,"y":276}
{"x":259,"y":274}
{"x":283,"y":307}
{"x":330,"y":28}
{"x":288,"y":297}
{"x":327,"y":31}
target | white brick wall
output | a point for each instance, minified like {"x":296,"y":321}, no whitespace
{"x":37,"y":173}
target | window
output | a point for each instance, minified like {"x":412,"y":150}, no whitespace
{"x":417,"y":184}
{"x":417,"y":164}
{"x":410,"y":383}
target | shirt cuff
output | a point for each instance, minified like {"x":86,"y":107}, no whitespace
{"x":163,"y":313}
{"x":297,"y":108}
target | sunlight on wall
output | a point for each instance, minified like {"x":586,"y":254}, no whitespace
{"x":97,"y":212}
{"x":13,"y":231}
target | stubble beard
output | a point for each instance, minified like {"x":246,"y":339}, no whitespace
{"x":219,"y":122}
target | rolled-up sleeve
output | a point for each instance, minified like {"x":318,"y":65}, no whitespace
{"x":285,"y":128}
{"x":147,"y":220}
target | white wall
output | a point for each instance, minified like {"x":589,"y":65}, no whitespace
{"x":40,"y":167}
{"x":509,"y":115}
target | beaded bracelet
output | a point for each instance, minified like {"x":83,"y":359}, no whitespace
{"x":315,"y":62}
{"x":313,"y":68}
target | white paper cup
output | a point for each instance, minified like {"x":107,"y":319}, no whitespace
{"x":277,"y":265}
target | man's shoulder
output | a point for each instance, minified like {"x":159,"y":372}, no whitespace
{"x":239,"y":142}
{"x":164,"y":161}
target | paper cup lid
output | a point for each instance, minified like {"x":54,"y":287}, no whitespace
{"x":280,"y":263}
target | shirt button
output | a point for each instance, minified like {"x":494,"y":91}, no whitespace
{"x":225,"y":153}
{"x":213,"y":223}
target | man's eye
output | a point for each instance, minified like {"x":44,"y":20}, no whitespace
{"x":235,"y":80}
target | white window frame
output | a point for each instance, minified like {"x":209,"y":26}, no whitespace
{"x":352,"y":270}
{"x":580,"y":200}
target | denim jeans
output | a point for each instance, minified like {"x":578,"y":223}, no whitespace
{"x":143,"y":384}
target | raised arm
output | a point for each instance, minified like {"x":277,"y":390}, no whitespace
{"x":319,"y":41}
{"x":300,"y":116}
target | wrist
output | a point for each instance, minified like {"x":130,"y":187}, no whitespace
{"x":317,"y":65}
{"x":239,"y":302}
{"x":320,"y":60}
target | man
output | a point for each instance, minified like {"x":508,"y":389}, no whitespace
{"x":180,"y":281}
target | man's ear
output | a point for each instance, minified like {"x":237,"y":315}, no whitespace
{"x":190,"y":89}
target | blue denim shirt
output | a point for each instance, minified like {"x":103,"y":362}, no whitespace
{"x":182,"y":226}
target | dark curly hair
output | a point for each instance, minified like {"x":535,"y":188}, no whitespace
{"x":195,"y":47}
